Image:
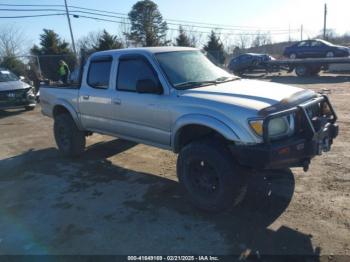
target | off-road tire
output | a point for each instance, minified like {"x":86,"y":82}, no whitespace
{"x":229,"y":181}
{"x":69,"y":139}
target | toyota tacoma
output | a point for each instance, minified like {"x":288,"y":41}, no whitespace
{"x":175,"y":98}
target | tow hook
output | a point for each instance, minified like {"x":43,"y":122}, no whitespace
{"x":305,"y":165}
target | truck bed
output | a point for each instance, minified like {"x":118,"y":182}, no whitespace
{"x":51,"y":95}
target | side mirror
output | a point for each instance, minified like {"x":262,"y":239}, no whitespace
{"x":148,"y":86}
{"x":22,"y":78}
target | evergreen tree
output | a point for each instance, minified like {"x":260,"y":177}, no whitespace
{"x":183,"y":39}
{"x":52,"y":49}
{"x":215,"y":49}
{"x":107,"y":42}
{"x":13,"y":64}
{"x":147,"y":25}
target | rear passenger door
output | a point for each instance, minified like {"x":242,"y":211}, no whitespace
{"x":140,"y":116}
{"x":95,"y":104}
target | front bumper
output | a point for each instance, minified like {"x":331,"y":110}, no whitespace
{"x":296,"y":151}
{"x":16,"y":99}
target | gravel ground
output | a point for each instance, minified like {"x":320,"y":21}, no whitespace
{"x":123,"y":198}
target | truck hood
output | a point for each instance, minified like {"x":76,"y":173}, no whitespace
{"x":251,"y":94}
{"x":13,"y":85}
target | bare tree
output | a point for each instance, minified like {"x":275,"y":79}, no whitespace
{"x":125,"y":31}
{"x":11,"y":41}
{"x":261,"y":39}
{"x":87,"y":43}
{"x":242,"y":41}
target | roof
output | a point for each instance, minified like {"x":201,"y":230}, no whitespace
{"x":255,"y":54}
{"x":152,"y":50}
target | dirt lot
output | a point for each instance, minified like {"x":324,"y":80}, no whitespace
{"x":123,"y":198}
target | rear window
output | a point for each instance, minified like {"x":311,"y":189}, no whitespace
{"x":99,"y":73}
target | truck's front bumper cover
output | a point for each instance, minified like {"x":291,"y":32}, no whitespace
{"x":293,"y":152}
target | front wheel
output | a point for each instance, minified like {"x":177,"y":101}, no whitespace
{"x":69,"y":139}
{"x":209,"y":176}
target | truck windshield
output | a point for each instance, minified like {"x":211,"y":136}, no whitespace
{"x":6,"y":76}
{"x":191,"y":69}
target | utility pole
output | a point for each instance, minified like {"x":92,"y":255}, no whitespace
{"x":325,"y":22}
{"x":70,"y":28}
{"x":301,"y":33}
{"x":289,"y":39}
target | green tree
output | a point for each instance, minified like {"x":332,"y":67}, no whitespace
{"x":13,"y":64}
{"x":147,"y":25}
{"x":52,"y":49}
{"x":183,"y":39}
{"x":215,"y":49}
{"x":12,"y":42}
{"x":107,"y":42}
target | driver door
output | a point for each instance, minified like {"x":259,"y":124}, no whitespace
{"x":141,"y":116}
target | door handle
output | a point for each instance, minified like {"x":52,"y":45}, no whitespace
{"x":117,"y":101}
{"x":86,"y":97}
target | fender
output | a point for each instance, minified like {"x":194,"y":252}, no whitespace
{"x":71,"y":110}
{"x":204,"y":120}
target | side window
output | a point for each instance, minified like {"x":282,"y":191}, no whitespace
{"x":99,"y":73}
{"x":303,"y":44}
{"x":316,"y":44}
{"x":132,"y":70}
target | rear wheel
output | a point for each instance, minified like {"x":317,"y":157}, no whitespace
{"x":69,"y":139}
{"x":302,"y":70}
{"x":209,"y":176}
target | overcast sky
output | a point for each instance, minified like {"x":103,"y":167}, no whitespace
{"x":254,"y":14}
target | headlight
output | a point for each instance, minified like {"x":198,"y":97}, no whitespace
{"x":277,"y":128}
{"x":30,"y":94}
{"x":257,"y":126}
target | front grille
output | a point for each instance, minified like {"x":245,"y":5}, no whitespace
{"x":314,"y":112}
{"x":18,"y":94}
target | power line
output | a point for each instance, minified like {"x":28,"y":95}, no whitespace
{"x":173,"y":29}
{"x":180,"y":22}
{"x":118,"y":17}
{"x":30,"y":16}
{"x":74,"y":14}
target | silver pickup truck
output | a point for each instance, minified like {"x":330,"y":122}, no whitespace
{"x":175,"y":98}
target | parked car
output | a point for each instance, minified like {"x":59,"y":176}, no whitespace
{"x":315,"y":48}
{"x":176,"y":99}
{"x":15,"y":93}
{"x":248,"y":61}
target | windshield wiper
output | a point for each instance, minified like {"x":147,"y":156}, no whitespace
{"x":226,"y":79}
{"x":195,"y":83}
